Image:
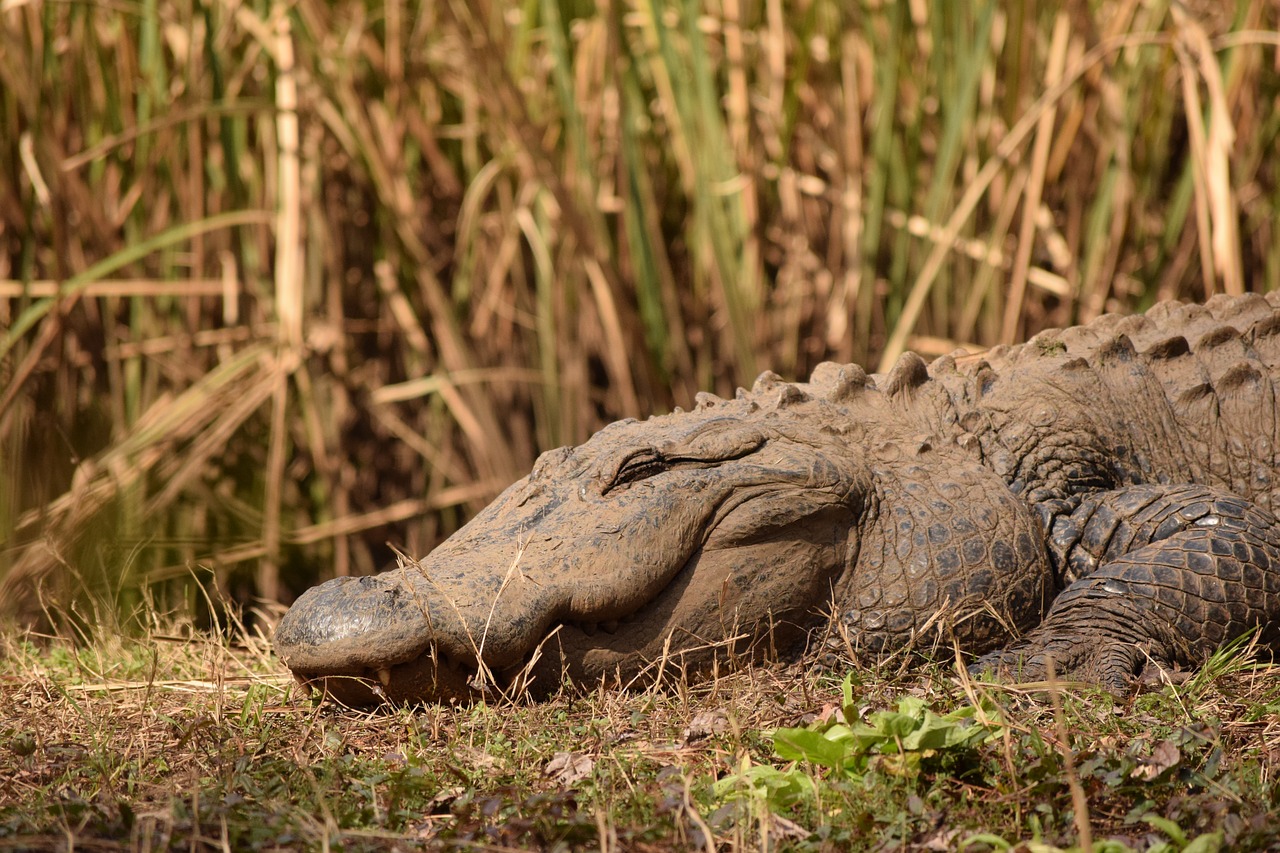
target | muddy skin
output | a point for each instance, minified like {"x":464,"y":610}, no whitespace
{"x":1101,"y":495}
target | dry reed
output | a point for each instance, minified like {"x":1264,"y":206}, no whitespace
{"x":267,"y":269}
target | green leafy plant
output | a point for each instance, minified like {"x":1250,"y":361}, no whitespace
{"x":1209,"y":842}
{"x":904,"y":742}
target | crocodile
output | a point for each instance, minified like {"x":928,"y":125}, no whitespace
{"x":1090,"y":505}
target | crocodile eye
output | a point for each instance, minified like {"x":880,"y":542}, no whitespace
{"x":640,"y":465}
{"x":697,"y":451}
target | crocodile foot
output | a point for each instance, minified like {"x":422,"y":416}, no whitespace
{"x":1110,"y":662}
{"x":1170,"y":603}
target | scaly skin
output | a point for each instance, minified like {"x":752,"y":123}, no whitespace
{"x":1158,"y":573}
{"x":959,"y":499}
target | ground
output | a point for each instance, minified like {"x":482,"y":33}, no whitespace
{"x":178,"y":740}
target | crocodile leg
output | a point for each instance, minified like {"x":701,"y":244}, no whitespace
{"x":1170,"y":573}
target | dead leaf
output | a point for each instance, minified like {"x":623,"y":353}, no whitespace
{"x":943,"y":839}
{"x":478,"y":759}
{"x":782,"y":829}
{"x":569,"y":767}
{"x":1165,"y":756}
{"x":706,"y":723}
{"x":439,"y":804}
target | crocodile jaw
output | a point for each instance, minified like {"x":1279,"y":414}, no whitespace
{"x":533,"y":585}
{"x":709,"y":608}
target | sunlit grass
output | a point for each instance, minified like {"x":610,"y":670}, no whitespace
{"x":332,"y":274}
{"x":175,"y":740}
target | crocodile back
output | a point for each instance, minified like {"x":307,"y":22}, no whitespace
{"x":1183,"y":393}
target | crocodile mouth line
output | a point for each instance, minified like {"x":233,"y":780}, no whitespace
{"x":458,"y":677}
{"x":466,"y":677}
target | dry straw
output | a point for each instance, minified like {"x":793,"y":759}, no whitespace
{"x":282,"y":283}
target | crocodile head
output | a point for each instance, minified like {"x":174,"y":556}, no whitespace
{"x":672,"y":540}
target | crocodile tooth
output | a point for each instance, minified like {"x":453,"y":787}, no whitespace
{"x":610,"y":627}
{"x":384,"y":675}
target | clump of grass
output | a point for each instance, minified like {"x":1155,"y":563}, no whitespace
{"x":308,"y":277}
{"x":177,"y":740}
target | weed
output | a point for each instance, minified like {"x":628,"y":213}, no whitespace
{"x":211,"y":749}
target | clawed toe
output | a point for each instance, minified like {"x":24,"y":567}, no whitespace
{"x":1112,"y":664}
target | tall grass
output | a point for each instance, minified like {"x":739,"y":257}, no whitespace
{"x":282,"y":282}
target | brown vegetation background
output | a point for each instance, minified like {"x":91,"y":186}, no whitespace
{"x":283,"y":282}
